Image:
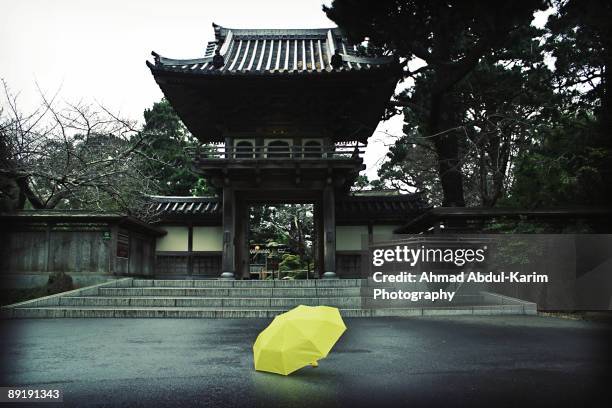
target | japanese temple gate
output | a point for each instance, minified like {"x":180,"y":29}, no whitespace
{"x":283,"y":117}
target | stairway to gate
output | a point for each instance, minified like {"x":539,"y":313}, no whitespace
{"x":195,"y":299}
{"x":145,"y":298}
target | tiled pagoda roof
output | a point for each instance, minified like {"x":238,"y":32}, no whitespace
{"x":274,"y":51}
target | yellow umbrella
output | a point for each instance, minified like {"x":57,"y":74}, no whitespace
{"x":297,"y":338}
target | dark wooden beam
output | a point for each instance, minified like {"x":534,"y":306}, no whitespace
{"x":329,"y":232}
{"x":228,"y":262}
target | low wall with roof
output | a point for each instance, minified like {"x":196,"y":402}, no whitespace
{"x":91,"y":248}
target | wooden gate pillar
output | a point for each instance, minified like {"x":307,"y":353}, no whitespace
{"x":329,"y":232}
{"x":228,"y":260}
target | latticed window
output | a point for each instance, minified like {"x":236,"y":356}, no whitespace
{"x":348,"y":265}
{"x":244,"y":149}
{"x":123,"y":245}
{"x":207,"y":265}
{"x":171,"y":265}
{"x":312,"y":149}
{"x":279,"y":149}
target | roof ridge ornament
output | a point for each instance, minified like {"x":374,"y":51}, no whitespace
{"x":336,"y":59}
{"x":226,"y":43}
{"x":217,"y":28}
{"x":331,"y":48}
{"x":218,"y":60}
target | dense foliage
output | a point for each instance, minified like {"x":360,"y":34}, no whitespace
{"x":289,"y":224}
{"x":498,"y":111}
{"x":169,"y":142}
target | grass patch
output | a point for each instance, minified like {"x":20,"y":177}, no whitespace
{"x":10,"y":296}
{"x":58,"y":282}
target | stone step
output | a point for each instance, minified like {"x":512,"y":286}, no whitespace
{"x":159,"y":312}
{"x":141,"y":298}
{"x":192,"y":312}
{"x":145,"y":301}
{"x":186,"y":301}
{"x":214,"y":283}
{"x":231,"y":292}
{"x":458,"y":299}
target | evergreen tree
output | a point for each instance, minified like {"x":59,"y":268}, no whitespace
{"x":450,"y":38}
{"x":169,"y":145}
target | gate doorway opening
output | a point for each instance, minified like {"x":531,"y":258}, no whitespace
{"x":282,"y":241}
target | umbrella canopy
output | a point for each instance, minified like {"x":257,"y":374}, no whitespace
{"x":297,"y":338}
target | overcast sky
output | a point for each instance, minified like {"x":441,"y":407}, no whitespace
{"x":96,"y":50}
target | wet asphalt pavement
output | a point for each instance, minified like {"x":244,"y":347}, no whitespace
{"x":458,"y":361}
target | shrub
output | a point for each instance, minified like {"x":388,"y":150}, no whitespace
{"x":290,"y":263}
{"x":59,"y":282}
